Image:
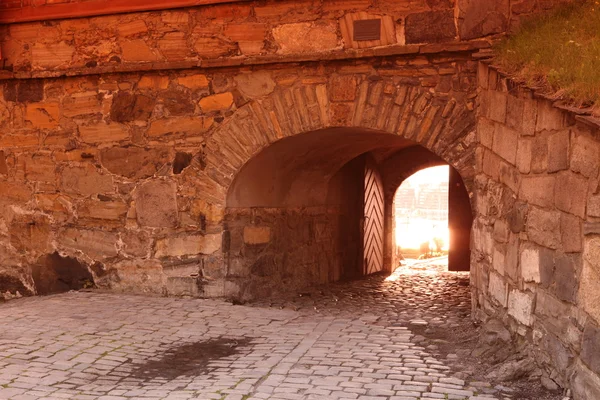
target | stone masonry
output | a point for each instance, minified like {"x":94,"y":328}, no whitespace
{"x":535,"y":237}
{"x":122,"y":137}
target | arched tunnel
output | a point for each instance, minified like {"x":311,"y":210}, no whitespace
{"x":317,"y":208}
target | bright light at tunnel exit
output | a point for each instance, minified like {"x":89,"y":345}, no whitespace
{"x":421,"y":206}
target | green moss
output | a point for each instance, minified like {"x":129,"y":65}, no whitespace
{"x":559,"y":51}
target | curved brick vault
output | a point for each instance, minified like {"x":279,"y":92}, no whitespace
{"x":143,"y":204}
{"x":283,"y":158}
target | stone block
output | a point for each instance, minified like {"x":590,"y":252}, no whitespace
{"x":174,"y":46}
{"x":549,"y":117}
{"x":43,"y":115}
{"x":491,"y":165}
{"x":430,"y":27}
{"x":217,"y":102}
{"x":137,"y":50}
{"x":127,"y":107}
{"x":547,"y":257}
{"x":549,"y":306}
{"x":478,"y":18}
{"x":524,"y":154}
{"x":512,"y":257}
{"x":566,"y":277}
{"x":585,"y":156}
{"x":539,"y":155}
{"x":585,"y":384}
{"x":51,"y":55}
{"x":137,"y":276}
{"x":101,"y":132}
{"x":102,"y":210}
{"x":213,"y":47}
{"x":182,"y":286}
{"x":514,"y":113}
{"x":530,"y":264}
{"x":506,"y":143}
{"x":498,"y":289}
{"x":134,"y":162}
{"x":194,"y":82}
{"x":571,"y":233}
{"x":256,"y":84}
{"x":497,"y":107}
{"x":254,"y":235}
{"x":342,"y":88}
{"x":136,"y":243}
{"x":538,"y":190}
{"x":510,"y":176}
{"x":85,"y":180}
{"x":305,"y":37}
{"x":593,"y":205}
{"x":31,"y":233}
{"x":501,"y":231}
{"x":560,"y":355}
{"x":571,"y":193}
{"x":189,"y":245}
{"x":517,"y":217}
{"x":498,"y":260}
{"x":543,"y":227}
{"x":558,"y":151}
{"x":156,"y":204}
{"x":96,"y":244}
{"x":520,"y":306}
{"x":179,"y":125}
{"x":82,"y":103}
{"x":485,"y":132}
{"x":176,"y":102}
{"x":529,"y":117}
{"x":590,"y":347}
{"x":132,"y":28}
{"x":589,"y":288}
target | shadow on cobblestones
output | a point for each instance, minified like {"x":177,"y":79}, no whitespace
{"x":192,"y":359}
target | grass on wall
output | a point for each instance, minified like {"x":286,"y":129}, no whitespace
{"x":558,"y":52}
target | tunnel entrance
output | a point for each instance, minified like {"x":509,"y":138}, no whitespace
{"x":316,"y":208}
{"x":432,"y":219}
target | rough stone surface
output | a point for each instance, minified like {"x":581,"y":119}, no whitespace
{"x":591,"y":347}
{"x":558,"y":151}
{"x":191,"y":245}
{"x":85,"y":181}
{"x":134,"y":162}
{"x":430,"y":27}
{"x":520,"y":306}
{"x":127,"y":107}
{"x":156,"y":204}
{"x":305,"y":37}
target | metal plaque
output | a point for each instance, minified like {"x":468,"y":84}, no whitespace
{"x":367,"y":29}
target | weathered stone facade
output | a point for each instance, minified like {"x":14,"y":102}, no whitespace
{"x":535,"y":236}
{"x":219,"y":150}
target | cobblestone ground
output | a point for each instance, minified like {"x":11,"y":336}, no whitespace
{"x":348,"y":341}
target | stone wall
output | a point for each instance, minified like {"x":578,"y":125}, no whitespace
{"x":238,"y":33}
{"x":128,"y":174}
{"x":535,"y":238}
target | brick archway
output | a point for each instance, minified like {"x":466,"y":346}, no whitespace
{"x":382,"y":115}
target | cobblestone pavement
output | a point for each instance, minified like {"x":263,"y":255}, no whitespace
{"x":348,"y":341}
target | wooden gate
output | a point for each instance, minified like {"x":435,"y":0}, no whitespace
{"x":373,"y":222}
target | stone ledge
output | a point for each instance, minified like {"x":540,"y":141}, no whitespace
{"x":347,"y":54}
{"x":582,"y":115}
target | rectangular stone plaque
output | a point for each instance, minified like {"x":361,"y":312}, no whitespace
{"x":367,"y":29}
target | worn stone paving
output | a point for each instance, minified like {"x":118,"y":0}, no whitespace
{"x":348,"y":341}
